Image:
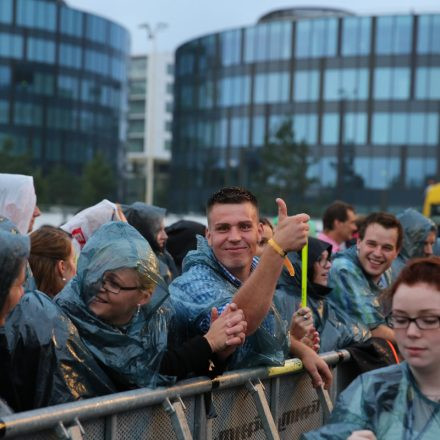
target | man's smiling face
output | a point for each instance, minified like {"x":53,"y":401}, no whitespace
{"x":233,"y":234}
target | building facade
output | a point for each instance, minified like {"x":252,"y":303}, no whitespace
{"x":63,"y":84}
{"x":363,"y":92}
{"x":150,"y":113}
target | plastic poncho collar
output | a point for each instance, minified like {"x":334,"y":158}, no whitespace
{"x":131,"y":353}
{"x":17,"y":199}
{"x":14,"y":250}
{"x":204,"y":284}
{"x":416,"y":228}
{"x":353,"y":290}
{"x":386,"y":401}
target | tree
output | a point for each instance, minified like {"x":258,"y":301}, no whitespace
{"x":98,"y":181}
{"x":63,"y":187}
{"x":13,"y":163}
{"x":283,"y":169}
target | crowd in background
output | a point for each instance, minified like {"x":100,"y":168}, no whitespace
{"x":112,"y":300}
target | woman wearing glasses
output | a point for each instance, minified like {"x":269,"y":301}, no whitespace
{"x":327,"y":328}
{"x":125,"y":325}
{"x":401,"y":401}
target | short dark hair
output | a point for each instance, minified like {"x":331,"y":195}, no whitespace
{"x":387,"y":221}
{"x":338,"y":210}
{"x":267,"y":222}
{"x":231,"y":195}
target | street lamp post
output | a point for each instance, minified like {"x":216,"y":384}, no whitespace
{"x":149,"y":117}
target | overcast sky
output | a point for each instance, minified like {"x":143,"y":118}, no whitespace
{"x":187,"y":19}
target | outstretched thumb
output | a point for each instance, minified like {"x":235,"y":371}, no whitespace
{"x":282,"y":209}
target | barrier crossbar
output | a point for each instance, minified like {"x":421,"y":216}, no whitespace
{"x":259,"y":403}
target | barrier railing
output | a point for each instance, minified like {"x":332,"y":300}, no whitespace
{"x":274,"y":403}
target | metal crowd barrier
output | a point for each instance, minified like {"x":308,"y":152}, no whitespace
{"x":273,"y":403}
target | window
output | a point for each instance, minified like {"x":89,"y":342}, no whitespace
{"x":70,"y":55}
{"x":268,"y":41}
{"x":230,"y":47}
{"x":138,"y":67}
{"x":68,"y":87}
{"x":271,"y":87}
{"x":36,"y":13}
{"x":28,"y":114}
{"x":6,"y":11}
{"x":118,"y":68}
{"x":345,"y":84}
{"x":428,"y":83}
{"x":97,"y":62}
{"x":137,"y":87}
{"x":239,"y":132}
{"x":428,"y":34}
{"x":4,"y":111}
{"x":119,"y":39}
{"x":356,"y":37}
{"x":417,"y":169}
{"x":5,"y":76}
{"x":330,"y":129}
{"x":41,"y":50}
{"x":137,"y":107}
{"x":205,"y":95}
{"x":355,"y":128}
{"x":306,"y":86}
{"x":234,"y":90}
{"x":34,"y":82}
{"x":391,"y":83}
{"x":394,"y":35}
{"x":305,"y":128}
{"x":377,"y":172}
{"x":258,"y":131}
{"x":11,"y":45}
{"x":316,"y":38}
{"x":96,"y":29}
{"x":136,"y":145}
{"x":185,"y":63}
{"x":71,"y":21}
{"x":136,"y":127}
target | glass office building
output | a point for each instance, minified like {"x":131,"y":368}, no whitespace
{"x":363,"y":93}
{"x":63,"y":85}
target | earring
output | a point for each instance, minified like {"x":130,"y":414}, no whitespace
{"x":64,"y":279}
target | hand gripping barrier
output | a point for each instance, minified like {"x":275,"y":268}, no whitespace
{"x":273,"y":403}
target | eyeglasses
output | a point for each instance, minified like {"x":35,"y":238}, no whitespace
{"x":422,"y":322}
{"x":324,"y":261}
{"x":113,"y":287}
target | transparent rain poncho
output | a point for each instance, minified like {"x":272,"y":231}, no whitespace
{"x":147,"y":220}
{"x":336,"y":328}
{"x":416,"y":228}
{"x":132,"y":353}
{"x":204,"y":284}
{"x":388,"y":402}
{"x":17,"y":199}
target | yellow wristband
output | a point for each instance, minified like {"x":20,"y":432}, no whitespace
{"x":276,"y":247}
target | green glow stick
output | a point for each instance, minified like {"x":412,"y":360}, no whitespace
{"x":304,"y":264}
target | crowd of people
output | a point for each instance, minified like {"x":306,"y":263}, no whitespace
{"x":112,"y":300}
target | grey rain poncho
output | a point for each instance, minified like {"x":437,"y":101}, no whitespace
{"x":14,"y":250}
{"x":8,"y":226}
{"x":147,"y":219}
{"x":386,"y":401}
{"x":336,"y":328}
{"x":416,"y":228}
{"x":130,"y":354}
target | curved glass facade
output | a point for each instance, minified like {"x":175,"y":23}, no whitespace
{"x":362,"y":92}
{"x":63,"y":85}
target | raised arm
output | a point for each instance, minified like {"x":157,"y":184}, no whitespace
{"x":255,"y":295}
